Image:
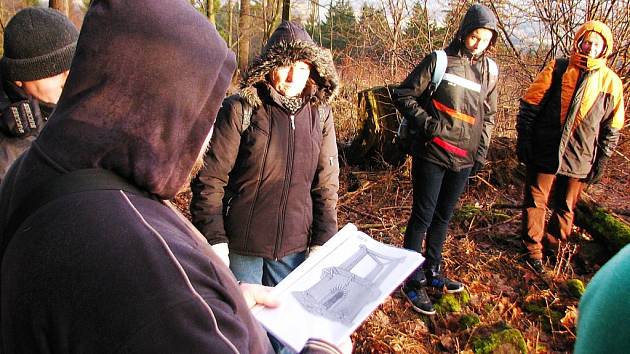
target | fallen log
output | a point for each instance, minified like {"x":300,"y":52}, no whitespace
{"x":604,"y":225}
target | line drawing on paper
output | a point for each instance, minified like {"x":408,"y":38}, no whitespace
{"x":344,"y":290}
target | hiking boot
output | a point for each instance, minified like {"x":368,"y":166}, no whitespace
{"x":536,"y":265}
{"x":418,"y":298}
{"x":439,"y":281}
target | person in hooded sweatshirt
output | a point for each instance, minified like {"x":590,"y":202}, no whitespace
{"x":268,"y":192}
{"x":568,"y":126}
{"x":455,"y":124}
{"x":113,"y":270}
{"x":39,"y":44}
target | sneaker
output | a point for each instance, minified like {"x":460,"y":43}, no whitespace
{"x":418,"y":299}
{"x":437,"y":280}
{"x":536,"y":265}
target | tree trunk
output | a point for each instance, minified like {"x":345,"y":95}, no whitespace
{"x":211,"y":11}
{"x":286,"y":10}
{"x":230,"y":18}
{"x":244,"y":24}
{"x":380,"y":120}
{"x":602,"y":224}
{"x":61,"y":5}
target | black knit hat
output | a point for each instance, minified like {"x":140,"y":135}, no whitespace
{"x":38,"y":43}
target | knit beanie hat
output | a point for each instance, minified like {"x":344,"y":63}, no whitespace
{"x":38,"y":43}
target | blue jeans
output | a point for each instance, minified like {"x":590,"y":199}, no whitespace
{"x":258,"y":270}
{"x":436,"y":191}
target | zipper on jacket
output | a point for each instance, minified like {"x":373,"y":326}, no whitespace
{"x":285,"y":187}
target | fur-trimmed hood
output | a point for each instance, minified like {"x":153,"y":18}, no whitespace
{"x":290,"y":43}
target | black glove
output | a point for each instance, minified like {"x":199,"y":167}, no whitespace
{"x":21,"y":119}
{"x":475,"y":169}
{"x":524,"y":151}
{"x":432,"y":127}
{"x":597,"y":171}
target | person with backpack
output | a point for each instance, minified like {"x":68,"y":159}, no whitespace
{"x":268,"y":192}
{"x":453,"y":124}
{"x":39,"y":45}
{"x":568,"y":125}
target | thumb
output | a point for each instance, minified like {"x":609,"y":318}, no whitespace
{"x":255,"y":294}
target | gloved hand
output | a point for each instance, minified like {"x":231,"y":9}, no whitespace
{"x":432,"y":127}
{"x":597,"y":171}
{"x":475,"y":169}
{"x":222,"y":250}
{"x":524,"y":151}
{"x":21,"y":119}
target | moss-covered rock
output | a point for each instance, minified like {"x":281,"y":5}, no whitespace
{"x":469,"y":321}
{"x":452,"y":302}
{"x":447,"y":303}
{"x":576,"y":287}
{"x":509,"y":340}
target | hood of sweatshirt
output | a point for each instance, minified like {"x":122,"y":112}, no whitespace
{"x":145,"y":86}
{"x":290,"y":43}
{"x":477,"y":16}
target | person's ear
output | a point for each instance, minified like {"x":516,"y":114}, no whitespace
{"x":19,"y":83}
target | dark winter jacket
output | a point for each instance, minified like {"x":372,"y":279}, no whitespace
{"x":456,"y":123}
{"x":271,"y":190}
{"x":572,"y":113}
{"x":21,"y":119}
{"x":110,"y":271}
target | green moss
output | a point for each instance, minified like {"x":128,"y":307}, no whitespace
{"x":448,"y":303}
{"x":576,"y":287}
{"x":603,"y":226}
{"x":466,"y":213}
{"x":464,"y":297}
{"x":506,"y":341}
{"x":549,"y":318}
{"x":617,"y":232}
{"x":535,"y":308}
{"x":469,"y":321}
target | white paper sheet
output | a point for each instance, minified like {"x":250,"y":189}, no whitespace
{"x":334,"y":291}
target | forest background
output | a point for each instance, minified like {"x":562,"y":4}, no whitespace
{"x":506,"y":308}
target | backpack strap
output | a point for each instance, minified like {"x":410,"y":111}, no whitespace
{"x":69,"y":183}
{"x":493,"y":71}
{"x":438,"y":73}
{"x":321,"y":110}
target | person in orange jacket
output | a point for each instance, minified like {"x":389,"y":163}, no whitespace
{"x":568,"y":126}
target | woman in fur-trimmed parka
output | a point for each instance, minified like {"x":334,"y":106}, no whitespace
{"x":568,"y":126}
{"x":268,"y":191}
